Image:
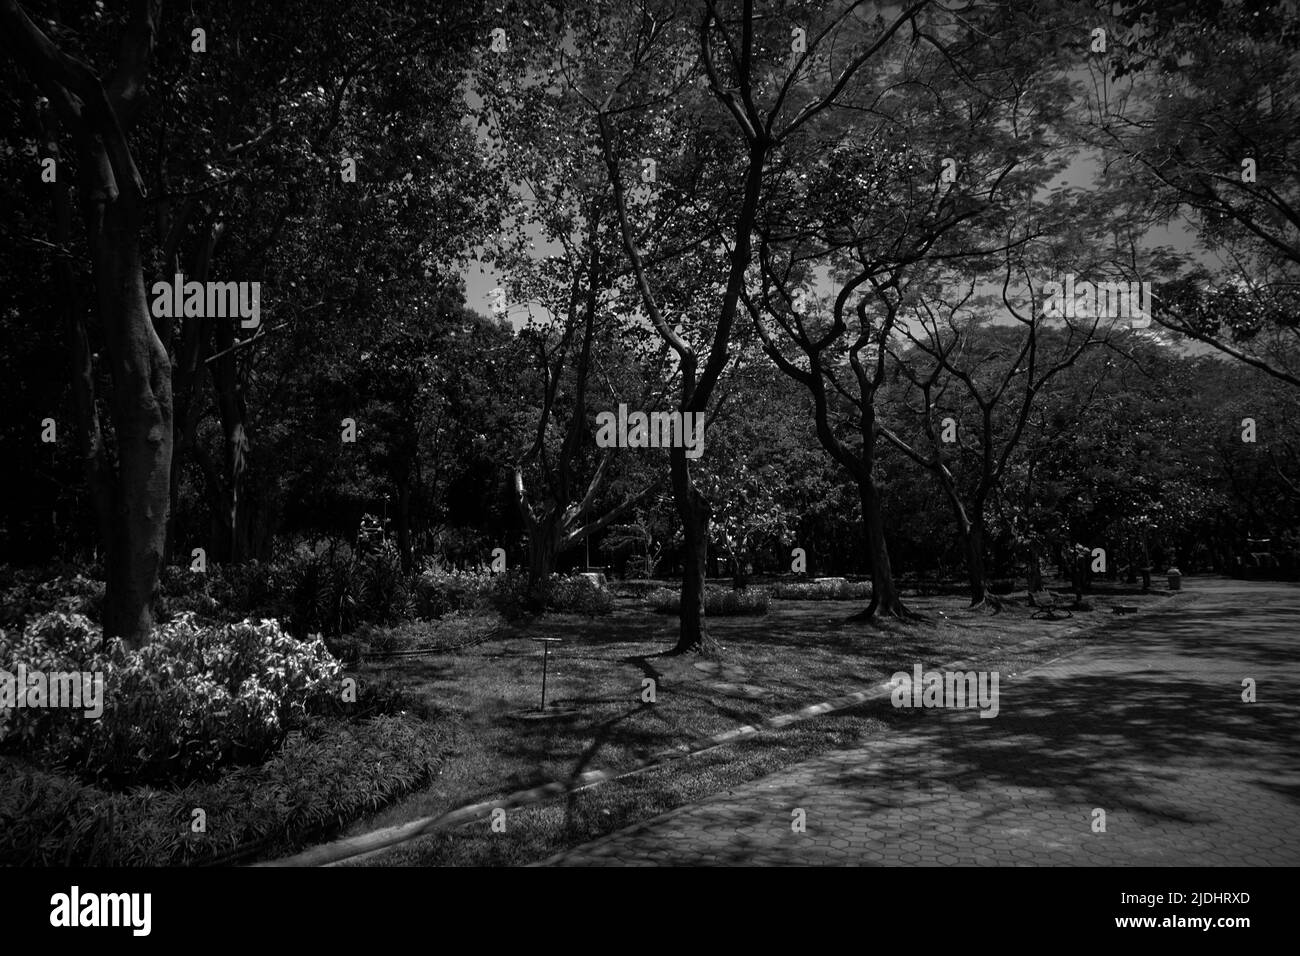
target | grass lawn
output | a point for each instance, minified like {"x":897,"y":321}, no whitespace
{"x":802,"y":652}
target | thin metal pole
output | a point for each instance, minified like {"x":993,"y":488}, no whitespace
{"x":546,"y":653}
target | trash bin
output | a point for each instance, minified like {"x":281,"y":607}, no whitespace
{"x":1175,"y":579}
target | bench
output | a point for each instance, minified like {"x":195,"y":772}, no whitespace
{"x":1048,"y":605}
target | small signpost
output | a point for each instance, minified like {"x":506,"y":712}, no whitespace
{"x":546,"y":643}
{"x":540,"y":712}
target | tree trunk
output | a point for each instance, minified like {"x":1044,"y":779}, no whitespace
{"x":885,"y":599}
{"x":186,"y":397}
{"x":739,"y":577}
{"x":182,"y":444}
{"x":233,"y":415}
{"x":403,"y":521}
{"x":970,"y":527}
{"x":543,"y":550}
{"x":1035,"y":569}
{"x":695,"y":512}
{"x":112,"y":194}
{"x":976,"y":569}
{"x":253,"y":526}
{"x":978,"y":580}
{"x":142,"y":407}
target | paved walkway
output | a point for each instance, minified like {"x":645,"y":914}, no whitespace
{"x":1148,"y":726}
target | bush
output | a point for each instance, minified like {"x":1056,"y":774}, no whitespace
{"x":324,"y":588}
{"x":823,"y":591}
{"x":664,"y":600}
{"x":640,"y":566}
{"x":321,"y":779}
{"x":509,"y":595}
{"x":223,"y":592}
{"x":457,"y":629}
{"x":182,"y":591}
{"x":193,"y":699}
{"x":348,"y":648}
{"x":312,"y":588}
{"x":383,"y":589}
{"x":25,"y":597}
{"x":437,"y":592}
{"x":569,"y":594}
{"x":319,"y":586}
{"x":717,"y":602}
{"x":578,"y":595}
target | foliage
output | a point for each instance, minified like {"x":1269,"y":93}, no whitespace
{"x":438,"y":592}
{"x":1204,"y":114}
{"x":514,"y":600}
{"x":321,"y":778}
{"x":455,"y":629}
{"x":27,"y":594}
{"x":194,"y":699}
{"x":838,"y":590}
{"x":576,"y":594}
{"x":718,"y":602}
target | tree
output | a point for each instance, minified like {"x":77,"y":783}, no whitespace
{"x":747,"y":474}
{"x":562,"y":200}
{"x":253,"y":178}
{"x":872,"y":211}
{"x":758,"y":96}
{"x":131,"y":483}
{"x":232,"y":149}
{"x":998,"y":372}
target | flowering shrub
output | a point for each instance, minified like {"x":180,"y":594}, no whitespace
{"x":717,"y":603}
{"x":193,"y":699}
{"x":839,"y":590}
{"x":438,"y":591}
